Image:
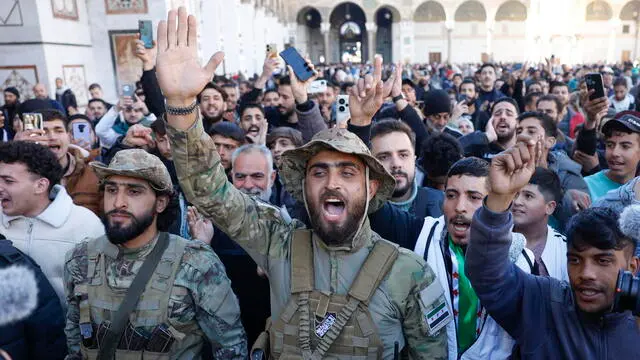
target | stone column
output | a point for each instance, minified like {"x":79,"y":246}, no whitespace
{"x":371,"y":44}
{"x":490,"y":25}
{"x":449,"y":25}
{"x":406,"y":41}
{"x":325,"y":29}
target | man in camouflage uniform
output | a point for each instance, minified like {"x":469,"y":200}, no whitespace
{"x":339,"y":290}
{"x":188,"y":294}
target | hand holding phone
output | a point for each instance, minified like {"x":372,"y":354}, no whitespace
{"x":82,"y":131}
{"x":300,"y":67}
{"x":318,"y":86}
{"x":594,"y":82}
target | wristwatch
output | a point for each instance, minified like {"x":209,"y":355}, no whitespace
{"x":396,"y":98}
{"x":181,"y":111}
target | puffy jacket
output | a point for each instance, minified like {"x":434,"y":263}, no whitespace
{"x":41,"y":335}
{"x":540,"y":312}
{"x":82,"y":183}
{"x":48,"y":236}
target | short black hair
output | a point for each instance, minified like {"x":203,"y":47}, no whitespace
{"x":487,"y":65}
{"x":597,"y":227}
{"x":507,"y":100}
{"x":555,"y":84}
{"x":53,"y":114}
{"x":533,"y":83}
{"x":530,"y":97}
{"x":285,"y":80}
{"x":620,"y":81}
{"x":548,"y":183}
{"x":38,"y":159}
{"x":547,"y":123}
{"x":470,"y":166}
{"x":98,"y":100}
{"x":408,"y":82}
{"x":172,"y":212}
{"x":555,"y":99}
{"x":469,"y":81}
{"x":216,"y":87}
{"x":439,"y":152}
{"x":251,"y":106}
{"x":387,"y":126}
{"x":273,"y":90}
{"x":95,"y":86}
{"x":456,"y":75}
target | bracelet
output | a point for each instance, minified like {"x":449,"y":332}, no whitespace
{"x":181,"y":111}
{"x":397,"y":98}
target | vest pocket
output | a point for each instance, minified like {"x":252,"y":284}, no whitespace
{"x":128,"y":355}
{"x":149,"y":355}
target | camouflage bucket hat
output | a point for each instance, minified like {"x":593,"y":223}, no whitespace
{"x":294,"y":163}
{"x":136,"y":163}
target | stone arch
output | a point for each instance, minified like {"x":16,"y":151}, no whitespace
{"x":598,"y":11}
{"x":512,"y":11}
{"x":430,"y":11}
{"x":383,"y":10}
{"x":471,"y":10}
{"x":309,"y":16}
{"x":628,"y":10}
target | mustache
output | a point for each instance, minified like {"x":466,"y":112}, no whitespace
{"x":253,"y":128}
{"x":461,"y":219}
{"x":332,"y":193}
{"x":120,"y":212}
{"x":399,"y":172}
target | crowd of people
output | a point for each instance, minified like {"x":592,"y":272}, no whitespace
{"x":462,"y":212}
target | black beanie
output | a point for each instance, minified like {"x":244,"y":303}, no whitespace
{"x":436,"y":102}
{"x":13,"y":90}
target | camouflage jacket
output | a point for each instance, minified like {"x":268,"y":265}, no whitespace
{"x":396,"y":307}
{"x":200,"y":298}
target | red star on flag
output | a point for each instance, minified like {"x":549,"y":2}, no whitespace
{"x":455,"y":275}
{"x":455,"y":292}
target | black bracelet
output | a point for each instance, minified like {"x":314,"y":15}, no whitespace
{"x":181,"y":111}
{"x":397,"y":98}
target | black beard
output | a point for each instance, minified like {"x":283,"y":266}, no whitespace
{"x":208,"y":122}
{"x":504,"y":139}
{"x":402,"y":191}
{"x":118,"y":235}
{"x":341,"y":235}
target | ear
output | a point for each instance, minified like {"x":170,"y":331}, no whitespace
{"x":550,"y":207}
{"x":373,"y":188}
{"x":273,"y":177}
{"x":162,"y":202}
{"x":550,"y":142}
{"x":634,"y":265}
{"x":224,"y":106}
{"x":41,"y":186}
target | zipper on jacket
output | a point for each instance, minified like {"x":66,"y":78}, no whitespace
{"x":603,"y":339}
{"x":29,"y":237}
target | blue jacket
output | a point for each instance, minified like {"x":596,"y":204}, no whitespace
{"x":540,"y":312}
{"x":41,"y":335}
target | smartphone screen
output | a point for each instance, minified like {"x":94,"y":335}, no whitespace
{"x":297,"y":63}
{"x":594,"y":82}
{"x":127,"y":90}
{"x":146,"y":33}
{"x":32,"y":121}
{"x":82,"y":132}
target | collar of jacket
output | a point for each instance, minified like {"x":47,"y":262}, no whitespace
{"x":55,"y":214}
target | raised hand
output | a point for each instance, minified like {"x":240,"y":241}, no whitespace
{"x":460,"y":109}
{"x":511,"y":170}
{"x":298,"y":87}
{"x":199,"y":227}
{"x":148,"y":56}
{"x":367,"y":96}
{"x":393,"y":86}
{"x":490,"y":131}
{"x":596,"y":109}
{"x":180,"y":76}
{"x":269,"y":66}
{"x":138,"y":136}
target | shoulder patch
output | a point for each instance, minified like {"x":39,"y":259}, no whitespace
{"x":79,"y":250}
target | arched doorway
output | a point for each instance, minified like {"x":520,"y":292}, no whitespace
{"x":470,"y":36}
{"x":309,"y":38}
{"x":386,"y":17}
{"x":510,"y":32}
{"x":348,"y":30}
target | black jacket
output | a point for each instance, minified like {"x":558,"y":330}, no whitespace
{"x":41,"y":335}
{"x":477,"y":144}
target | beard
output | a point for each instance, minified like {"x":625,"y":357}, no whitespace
{"x":503,"y":138}
{"x":402,"y":191}
{"x":264,"y":195}
{"x":284,"y":112}
{"x":332,"y":234}
{"x":119,"y":234}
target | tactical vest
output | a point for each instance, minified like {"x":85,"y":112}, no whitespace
{"x":101,"y":302}
{"x":317,"y":324}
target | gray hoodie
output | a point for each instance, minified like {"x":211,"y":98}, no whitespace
{"x":620,"y":198}
{"x":570,"y":174}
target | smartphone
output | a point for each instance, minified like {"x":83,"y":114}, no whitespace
{"x":297,"y":63}
{"x":342,"y":110}
{"x":318,"y":86}
{"x":517,"y":66}
{"x":463,"y":97}
{"x":272,"y":51}
{"x":145,"y":28}
{"x":594,"y":82}
{"x":82,"y":131}
{"x":32,"y":121}
{"x":128,"y":90}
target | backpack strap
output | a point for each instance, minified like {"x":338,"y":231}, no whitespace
{"x":302,"y":275}
{"x":373,"y":271}
{"x":10,"y":253}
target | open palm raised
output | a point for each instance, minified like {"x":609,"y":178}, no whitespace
{"x":178,"y":69}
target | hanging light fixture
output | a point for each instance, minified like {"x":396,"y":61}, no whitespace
{"x":347,"y":15}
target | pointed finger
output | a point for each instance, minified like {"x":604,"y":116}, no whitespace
{"x":182,"y":26}
{"x":379,"y":94}
{"x":214,"y":62}
{"x":192,"y":35}
{"x":360,"y":88}
{"x":368,"y":82}
{"x":377,"y":68}
{"x":162,"y":35}
{"x":172,"y":19}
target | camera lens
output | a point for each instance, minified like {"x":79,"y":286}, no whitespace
{"x":627,"y":295}
{"x":342,"y":108}
{"x":341,"y":101}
